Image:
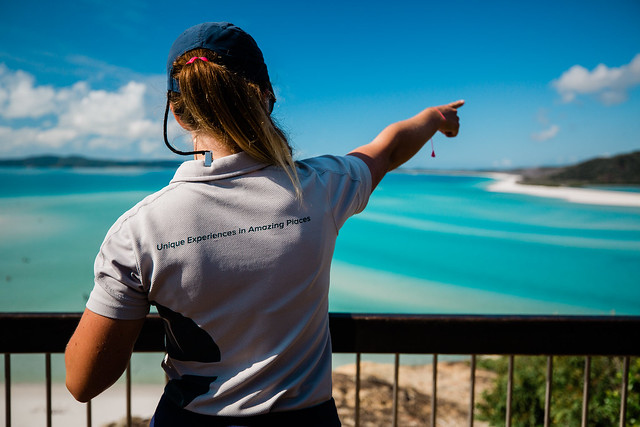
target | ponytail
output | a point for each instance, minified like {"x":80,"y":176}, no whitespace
{"x":237,"y":112}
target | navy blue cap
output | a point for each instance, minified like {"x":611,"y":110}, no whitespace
{"x":238,"y":51}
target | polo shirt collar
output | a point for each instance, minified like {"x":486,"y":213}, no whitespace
{"x":222,"y":168}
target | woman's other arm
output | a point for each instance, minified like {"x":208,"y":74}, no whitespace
{"x":98,"y":353}
{"x":400,"y":141}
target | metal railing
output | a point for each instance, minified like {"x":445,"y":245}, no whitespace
{"x":359,"y":334}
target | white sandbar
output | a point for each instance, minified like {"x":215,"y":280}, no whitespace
{"x":508,"y":183}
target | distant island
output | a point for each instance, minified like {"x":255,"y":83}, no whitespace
{"x":83,"y":162}
{"x":623,"y":169}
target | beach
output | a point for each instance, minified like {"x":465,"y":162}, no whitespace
{"x":28,"y":404}
{"x":28,"y":401}
{"x":509,"y":183}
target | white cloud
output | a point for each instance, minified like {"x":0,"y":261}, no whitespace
{"x":55,"y":137}
{"x":610,"y":85}
{"x":107,"y":113}
{"x":19,"y":98}
{"x":546,"y":134}
{"x":74,"y":116}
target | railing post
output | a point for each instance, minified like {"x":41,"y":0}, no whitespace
{"x":396,"y":366}
{"x":7,"y":389}
{"x":509,"y":391}
{"x":357,"y":405}
{"x":623,"y":392}
{"x":47,"y":363}
{"x":434,"y":390}
{"x":128,"y":386}
{"x":547,"y":393}
{"x":585,"y":391}
{"x":472,"y":390}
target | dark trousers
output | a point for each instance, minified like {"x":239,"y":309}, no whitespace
{"x":323,"y":415}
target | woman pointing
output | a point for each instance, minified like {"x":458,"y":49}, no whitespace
{"x":235,"y":252}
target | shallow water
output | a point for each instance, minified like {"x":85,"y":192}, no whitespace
{"x":425,"y":244}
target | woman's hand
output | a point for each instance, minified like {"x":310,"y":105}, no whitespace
{"x":450,"y":120}
{"x":400,"y":141}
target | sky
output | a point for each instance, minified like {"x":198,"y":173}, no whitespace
{"x":546,"y":83}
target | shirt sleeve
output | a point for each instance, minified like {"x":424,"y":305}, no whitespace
{"x":347,"y":180}
{"x":118,"y":292}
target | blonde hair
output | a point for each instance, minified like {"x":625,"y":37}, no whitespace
{"x":220,"y":103}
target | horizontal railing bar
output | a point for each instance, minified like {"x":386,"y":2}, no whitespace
{"x":50,"y":332}
{"x":384,"y":333}
{"x":464,"y":334}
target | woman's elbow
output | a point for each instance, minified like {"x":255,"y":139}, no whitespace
{"x":79,"y":378}
{"x":97,"y":354}
{"x":86,"y":382}
{"x":79,"y":392}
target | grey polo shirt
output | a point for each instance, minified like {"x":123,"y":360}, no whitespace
{"x":239,"y":269}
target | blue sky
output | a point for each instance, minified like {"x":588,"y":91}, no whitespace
{"x":546,"y":82}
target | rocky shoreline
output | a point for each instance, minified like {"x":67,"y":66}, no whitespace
{"x":414,"y":395}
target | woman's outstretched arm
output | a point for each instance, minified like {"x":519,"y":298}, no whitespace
{"x":400,"y":141}
{"x":98,"y":353}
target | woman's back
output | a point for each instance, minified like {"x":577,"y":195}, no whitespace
{"x":251,"y":272}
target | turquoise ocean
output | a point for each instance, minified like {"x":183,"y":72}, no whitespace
{"x":426,"y":243}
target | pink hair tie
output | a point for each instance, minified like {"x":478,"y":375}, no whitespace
{"x":193,"y":59}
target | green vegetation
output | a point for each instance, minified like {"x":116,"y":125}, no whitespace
{"x":529,"y":385}
{"x":622,"y":169}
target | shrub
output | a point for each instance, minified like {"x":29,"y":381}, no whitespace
{"x":529,"y":385}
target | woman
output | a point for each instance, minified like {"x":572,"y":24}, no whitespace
{"x":235,"y":252}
